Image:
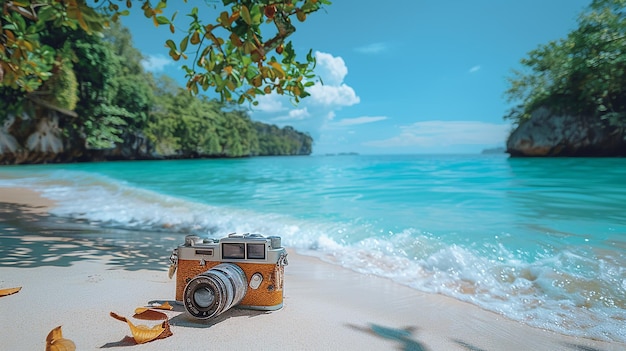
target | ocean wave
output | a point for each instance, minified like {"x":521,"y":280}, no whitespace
{"x":553,"y":293}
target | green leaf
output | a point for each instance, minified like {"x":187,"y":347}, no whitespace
{"x":19,"y":21}
{"x":245,"y":14}
{"x":162,"y":20}
{"x":47,"y":13}
{"x":11,"y":27}
{"x":227,"y":95}
{"x":309,"y":6}
{"x":170,"y":43}
{"x":183,"y":43}
{"x":256,"y":15}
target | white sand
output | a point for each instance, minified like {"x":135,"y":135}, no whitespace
{"x":325,"y":308}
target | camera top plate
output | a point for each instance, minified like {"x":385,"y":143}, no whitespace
{"x":252,"y":248}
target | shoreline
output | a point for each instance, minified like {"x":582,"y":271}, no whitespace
{"x":75,"y":281}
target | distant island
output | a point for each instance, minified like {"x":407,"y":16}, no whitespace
{"x":343,"y":154}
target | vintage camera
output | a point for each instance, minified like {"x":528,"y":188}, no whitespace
{"x":244,"y":270}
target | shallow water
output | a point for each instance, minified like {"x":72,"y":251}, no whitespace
{"x":542,"y":241}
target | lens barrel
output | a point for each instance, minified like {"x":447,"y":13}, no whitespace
{"x":215,"y":291}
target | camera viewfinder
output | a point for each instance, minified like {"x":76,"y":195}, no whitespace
{"x":233,"y":251}
{"x":256,"y":251}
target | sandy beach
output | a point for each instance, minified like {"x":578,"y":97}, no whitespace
{"x":74,"y":277}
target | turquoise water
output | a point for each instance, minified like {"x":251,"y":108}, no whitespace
{"x":541,"y":241}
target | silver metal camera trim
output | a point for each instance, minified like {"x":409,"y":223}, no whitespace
{"x":199,"y":249}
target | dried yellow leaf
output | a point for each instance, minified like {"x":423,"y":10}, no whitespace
{"x":10,"y":291}
{"x":278,"y":69}
{"x":56,"y":342}
{"x":143,"y":334}
{"x":149,"y":314}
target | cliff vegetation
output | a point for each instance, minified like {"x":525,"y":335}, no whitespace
{"x":571,"y":93}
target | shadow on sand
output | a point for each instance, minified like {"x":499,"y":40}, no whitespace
{"x":34,"y":239}
{"x":185,"y":320}
{"x":407,"y":340}
{"x":403,"y":336}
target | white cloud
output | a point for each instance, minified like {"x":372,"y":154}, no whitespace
{"x":332,"y":69}
{"x":295,"y":115}
{"x":446,"y":133}
{"x":269,"y":103}
{"x":475,"y":69}
{"x":156,"y":63}
{"x":373,"y":48}
{"x":359,"y":120}
{"x":333,"y":95}
{"x":334,"y":92}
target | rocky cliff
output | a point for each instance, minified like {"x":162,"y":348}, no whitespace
{"x":27,"y":140}
{"x":551,"y":134}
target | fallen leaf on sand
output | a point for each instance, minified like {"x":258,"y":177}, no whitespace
{"x":56,"y":342}
{"x":10,"y":291}
{"x":146,"y":313}
{"x":143,"y":334}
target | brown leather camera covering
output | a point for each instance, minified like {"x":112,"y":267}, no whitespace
{"x":269,"y":293}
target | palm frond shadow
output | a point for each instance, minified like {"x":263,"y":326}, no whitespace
{"x":33,"y":239}
{"x":403,"y":336}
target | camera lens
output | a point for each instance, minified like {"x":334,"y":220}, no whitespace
{"x":215,"y":291}
{"x":203,"y":297}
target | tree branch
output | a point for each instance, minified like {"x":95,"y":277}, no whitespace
{"x":50,"y":106}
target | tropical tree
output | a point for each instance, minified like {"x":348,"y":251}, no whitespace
{"x":183,"y":126}
{"x":286,"y":141}
{"x":585,"y":73}
{"x":237,"y":135}
{"x":245,"y":52}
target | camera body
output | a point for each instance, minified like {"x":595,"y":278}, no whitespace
{"x":261,"y":259}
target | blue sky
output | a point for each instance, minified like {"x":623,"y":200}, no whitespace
{"x":408,"y":76}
